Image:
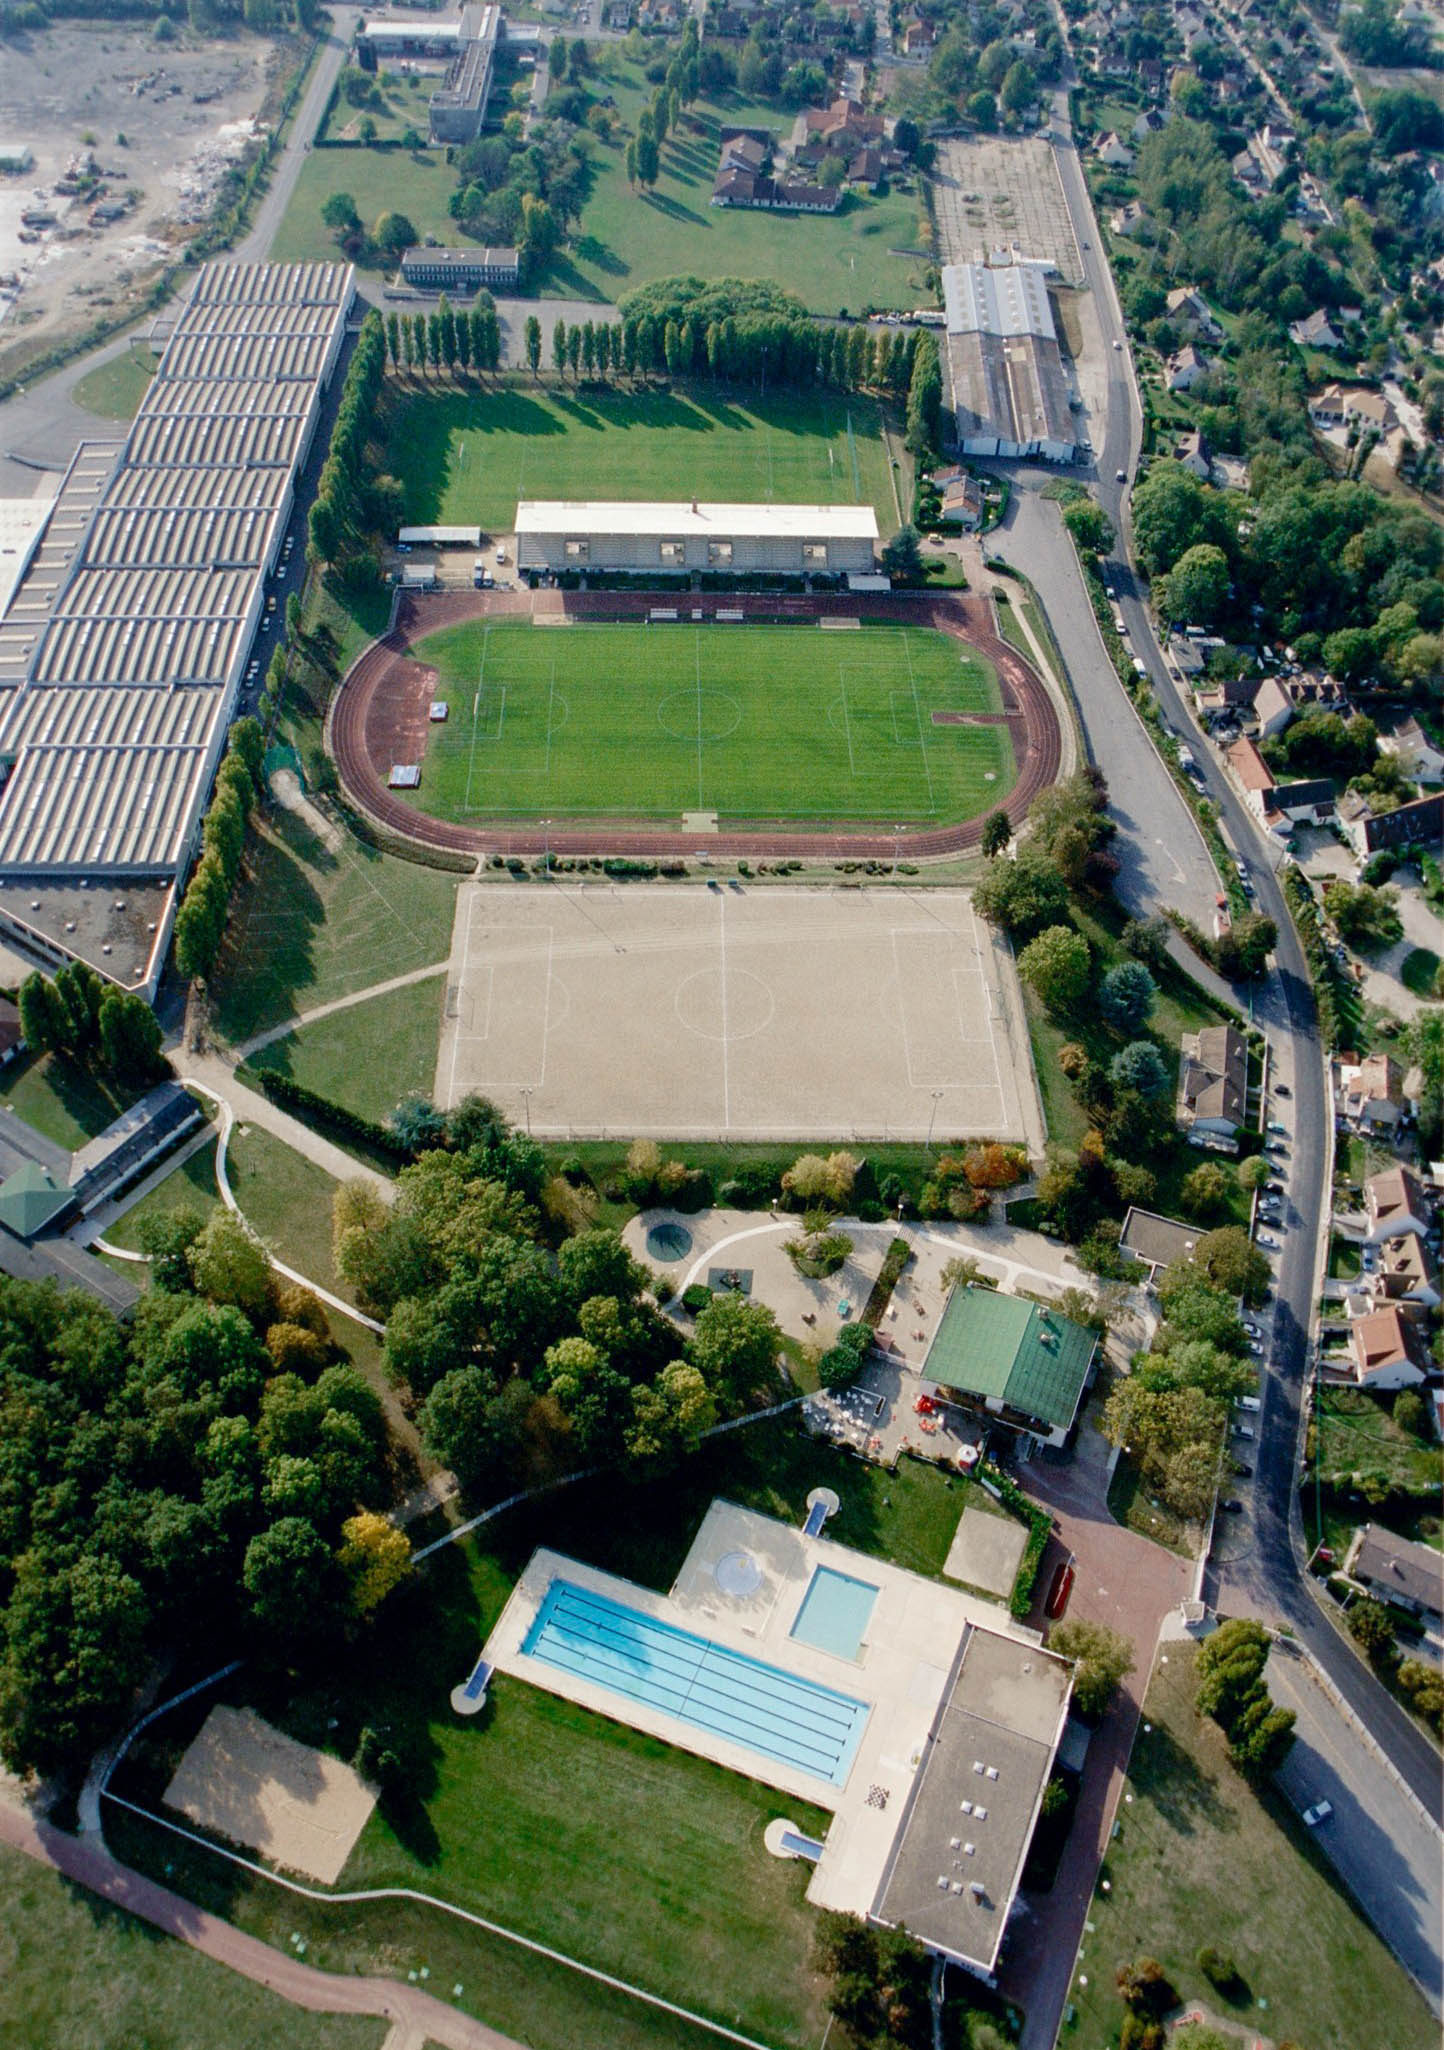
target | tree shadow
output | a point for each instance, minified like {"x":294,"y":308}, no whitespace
{"x":1184,"y":1795}
{"x":674,"y":209}
{"x":601,"y":256}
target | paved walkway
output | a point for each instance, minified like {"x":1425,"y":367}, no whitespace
{"x":1132,"y":1585}
{"x":417,"y":2017}
{"x":209,"y":1072}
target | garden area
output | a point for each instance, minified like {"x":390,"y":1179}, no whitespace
{"x":1370,"y":1459}
{"x":1283,"y":1918}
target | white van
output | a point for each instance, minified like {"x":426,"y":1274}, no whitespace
{"x":1251,"y":1403}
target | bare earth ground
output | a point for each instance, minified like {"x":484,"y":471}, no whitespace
{"x":249,"y":1783}
{"x":737,"y":1013}
{"x":184,"y":108}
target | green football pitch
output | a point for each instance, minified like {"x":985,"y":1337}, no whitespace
{"x":751,"y":722}
{"x":466,"y":458}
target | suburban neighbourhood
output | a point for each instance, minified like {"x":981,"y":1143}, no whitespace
{"x":722,"y":1024}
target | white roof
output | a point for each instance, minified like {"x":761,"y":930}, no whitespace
{"x":997,"y":299}
{"x":22,"y":522}
{"x":682,"y":520}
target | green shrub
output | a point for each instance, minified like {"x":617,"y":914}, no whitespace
{"x":1218,"y":1968}
{"x":696,"y":1298}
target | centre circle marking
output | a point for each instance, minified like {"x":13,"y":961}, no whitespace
{"x":677,"y":714}
{"x":750,"y":1004}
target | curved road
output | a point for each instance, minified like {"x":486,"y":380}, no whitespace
{"x":1269,"y":1579}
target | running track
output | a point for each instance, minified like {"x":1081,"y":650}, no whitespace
{"x":378,"y":717}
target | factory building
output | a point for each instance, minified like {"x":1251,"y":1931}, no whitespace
{"x":466,"y":45}
{"x":646,"y":539}
{"x":125,"y":643}
{"x":1003,"y":380}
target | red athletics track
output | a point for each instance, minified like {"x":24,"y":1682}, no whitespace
{"x":378,"y":718}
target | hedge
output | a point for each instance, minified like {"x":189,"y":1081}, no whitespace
{"x":320,"y":1110}
{"x":888,"y":1275}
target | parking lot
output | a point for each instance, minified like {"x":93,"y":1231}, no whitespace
{"x":992,"y":191}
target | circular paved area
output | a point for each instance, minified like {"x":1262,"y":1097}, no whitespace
{"x":378,"y":717}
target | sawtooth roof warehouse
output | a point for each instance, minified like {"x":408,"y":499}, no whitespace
{"x":124,"y":647}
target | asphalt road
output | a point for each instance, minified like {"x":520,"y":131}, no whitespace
{"x":1265,"y":1577}
{"x":1384,"y":1851}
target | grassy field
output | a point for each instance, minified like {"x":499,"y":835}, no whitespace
{"x":468,"y":457}
{"x":379,"y":181}
{"x":1201,"y":1858}
{"x":865,"y":254}
{"x":369,"y":1057}
{"x":310,"y":923}
{"x":287,"y":1198}
{"x":80,"y":1972}
{"x":751,"y":722}
{"x":114,"y":390}
{"x":190,"y":1186}
{"x":64,"y":1103}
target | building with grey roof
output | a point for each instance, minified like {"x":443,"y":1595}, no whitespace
{"x":1397,"y":1569}
{"x":1003,"y":380}
{"x":124,"y":647}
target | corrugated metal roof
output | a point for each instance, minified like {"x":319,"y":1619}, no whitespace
{"x":216,"y":444}
{"x":75,"y":716}
{"x":273,"y":284}
{"x":193,"y":536}
{"x":160,"y":487}
{"x":100,"y":808}
{"x":223,"y":398}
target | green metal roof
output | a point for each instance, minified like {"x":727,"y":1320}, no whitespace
{"x":30,"y":1198}
{"x":1001,"y":1348}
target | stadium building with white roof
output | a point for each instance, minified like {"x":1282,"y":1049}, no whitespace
{"x":124,"y":646}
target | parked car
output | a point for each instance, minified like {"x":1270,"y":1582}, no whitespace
{"x":1275,"y":1146}
{"x":1267,"y":1241}
{"x":1120,"y":476}
{"x":1320,"y":1812}
{"x":1232,"y":1505}
{"x":1282,"y":1089}
{"x":1275,"y":1126}
{"x":1242,"y":868}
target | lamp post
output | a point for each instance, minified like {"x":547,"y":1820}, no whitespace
{"x":526,"y":1089}
{"x":546,"y":825}
{"x":932,"y":1114}
{"x":897,"y":833}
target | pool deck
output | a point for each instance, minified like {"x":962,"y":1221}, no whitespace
{"x":903,"y":1671}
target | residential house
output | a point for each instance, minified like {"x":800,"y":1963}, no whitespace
{"x":1187,"y":308}
{"x":1371,"y":1093}
{"x":919,"y":36}
{"x":1213,"y":1086}
{"x":840,"y":127}
{"x":1252,"y":773}
{"x":1019,"y":1363}
{"x":1315,"y":333}
{"x":1339,"y":406}
{"x":865,"y":172}
{"x":1412,"y":748}
{"x":1272,"y":707}
{"x":1398,"y":1570}
{"x":1395,"y":1204}
{"x":1306,"y":803}
{"x":1185,"y":368}
{"x":1112,"y":151}
{"x":1385,"y":1351}
{"x":1151,"y":75}
{"x":1128,"y":220}
{"x":745,"y":149}
{"x":1417,"y":824}
{"x":1157,"y":1241}
{"x":962,"y":497}
{"x":1187,"y":658}
{"x":1219,"y":701}
{"x":1149,"y":122}
{"x":1406,"y":1273}
{"x":1191,"y":453}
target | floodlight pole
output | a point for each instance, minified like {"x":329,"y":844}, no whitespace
{"x":932,"y":1114}
{"x":546,"y":825}
{"x":526,"y":1090}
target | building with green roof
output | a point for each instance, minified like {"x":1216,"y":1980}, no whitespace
{"x":31,"y":1198}
{"x":1025,"y":1363}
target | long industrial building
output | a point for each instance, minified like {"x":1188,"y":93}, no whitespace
{"x":467,"y":45}
{"x":1004,"y":383}
{"x":674,"y":540}
{"x":124,"y":647}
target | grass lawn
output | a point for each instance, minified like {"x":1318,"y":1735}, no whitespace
{"x":1201,"y":1858}
{"x":308,"y":924}
{"x":407,"y":97}
{"x":467,"y":457}
{"x":868,"y":253}
{"x":1343,"y":1258}
{"x":754,"y":722}
{"x":80,"y":1972}
{"x":64,"y":1103}
{"x":287,"y":1198}
{"x":369,"y":1057}
{"x":114,"y":390}
{"x":1356,"y":1433}
{"x":380,"y":181}
{"x":1130,"y":1504}
{"x":191,"y":1186}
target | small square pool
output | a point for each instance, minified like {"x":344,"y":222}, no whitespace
{"x":835,"y":1613}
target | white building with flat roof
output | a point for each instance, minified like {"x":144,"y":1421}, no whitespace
{"x":646,"y":538}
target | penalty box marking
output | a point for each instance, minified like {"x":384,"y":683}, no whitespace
{"x":922,"y":974}
{"x":513,"y":1000}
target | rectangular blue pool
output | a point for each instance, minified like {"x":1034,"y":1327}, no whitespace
{"x":835,"y":1613}
{"x":777,"y":1714}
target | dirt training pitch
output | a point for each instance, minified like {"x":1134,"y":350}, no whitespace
{"x":379,"y":720}
{"x":734,"y":1013}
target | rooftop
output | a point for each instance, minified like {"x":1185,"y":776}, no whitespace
{"x":1011,"y":1352}
{"x":683,"y":519}
{"x":1157,"y":1241}
{"x":1399,"y":1566}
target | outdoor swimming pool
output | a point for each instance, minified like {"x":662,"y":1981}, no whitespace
{"x":835,"y":1613}
{"x":777,"y":1714}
